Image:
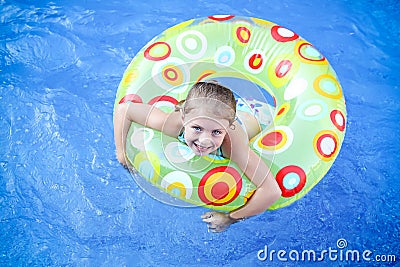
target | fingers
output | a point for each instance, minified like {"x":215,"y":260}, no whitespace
{"x":208,"y":217}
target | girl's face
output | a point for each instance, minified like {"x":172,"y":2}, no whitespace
{"x":204,"y":133}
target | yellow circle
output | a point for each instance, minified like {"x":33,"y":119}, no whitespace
{"x":274,"y":147}
{"x":178,"y":185}
{"x":285,"y":106}
{"x":317,"y":86}
{"x":317,"y":136}
{"x":248,"y":196}
{"x":281,"y":81}
{"x":245,"y":34}
{"x":152,"y":158}
{"x":297,"y":51}
{"x":178,"y":27}
{"x":174,"y":71}
{"x":130,"y":76}
{"x":220,"y":177}
{"x":262,"y":22}
{"x":216,"y":159}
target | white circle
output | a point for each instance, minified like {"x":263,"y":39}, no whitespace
{"x":140,"y":137}
{"x":191,"y":43}
{"x":189,"y":54}
{"x":220,"y":52}
{"x":285,"y":32}
{"x":180,"y":177}
{"x":178,"y":153}
{"x":295,"y":88}
{"x":221,"y":16}
{"x":328,"y":145}
{"x":339,"y":119}
{"x":313,"y":110}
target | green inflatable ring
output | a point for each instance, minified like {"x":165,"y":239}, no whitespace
{"x":300,"y":145}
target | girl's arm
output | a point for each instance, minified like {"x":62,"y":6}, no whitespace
{"x":146,"y":115}
{"x":267,"y":192}
{"x":236,"y":147}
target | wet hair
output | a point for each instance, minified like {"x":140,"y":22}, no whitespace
{"x":217,"y":98}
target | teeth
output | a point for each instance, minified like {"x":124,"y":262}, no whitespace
{"x":201,"y":147}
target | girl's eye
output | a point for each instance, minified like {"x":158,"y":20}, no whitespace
{"x":217,"y":132}
{"x":196,"y":128}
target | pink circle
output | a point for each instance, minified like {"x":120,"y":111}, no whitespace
{"x":220,"y":190}
{"x":283,"y":68}
{"x":272,"y":139}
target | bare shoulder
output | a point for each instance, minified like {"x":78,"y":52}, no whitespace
{"x":250,"y":122}
{"x":235,"y":143}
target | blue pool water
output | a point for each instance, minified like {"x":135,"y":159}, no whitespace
{"x":65,"y":200}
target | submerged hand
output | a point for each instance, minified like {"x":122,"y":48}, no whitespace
{"x":217,"y":221}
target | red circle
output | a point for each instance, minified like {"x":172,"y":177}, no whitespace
{"x":150,"y":57}
{"x":221,"y":18}
{"x":163,"y":98}
{"x":240,"y":37}
{"x":272,"y":139}
{"x":334,"y":121}
{"x":167,"y":72}
{"x":319,"y":148}
{"x":252,"y":60}
{"x":132,"y":98}
{"x":220,"y":190}
{"x":283,"y":68}
{"x":275,"y":34}
{"x":280,"y":176}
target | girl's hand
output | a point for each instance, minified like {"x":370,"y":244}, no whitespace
{"x":121,"y":157}
{"x":217,"y":221}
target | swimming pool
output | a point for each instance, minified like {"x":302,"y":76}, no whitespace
{"x":65,"y":200}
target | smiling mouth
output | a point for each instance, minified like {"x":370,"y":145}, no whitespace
{"x":201,"y":148}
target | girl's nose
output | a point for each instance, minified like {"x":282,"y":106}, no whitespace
{"x":205,"y":138}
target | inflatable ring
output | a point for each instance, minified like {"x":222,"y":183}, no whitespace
{"x":308,"y":125}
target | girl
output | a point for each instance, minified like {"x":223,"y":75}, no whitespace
{"x":206,"y":122}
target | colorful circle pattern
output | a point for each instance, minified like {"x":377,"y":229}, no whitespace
{"x":220,"y":186}
{"x":178,"y":183}
{"x":307,"y":130}
{"x":171,"y":73}
{"x":157,"y":51}
{"x":291,"y":180}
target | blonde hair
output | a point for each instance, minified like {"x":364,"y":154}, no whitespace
{"x":213,"y":95}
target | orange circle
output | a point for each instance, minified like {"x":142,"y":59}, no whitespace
{"x":319,"y":88}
